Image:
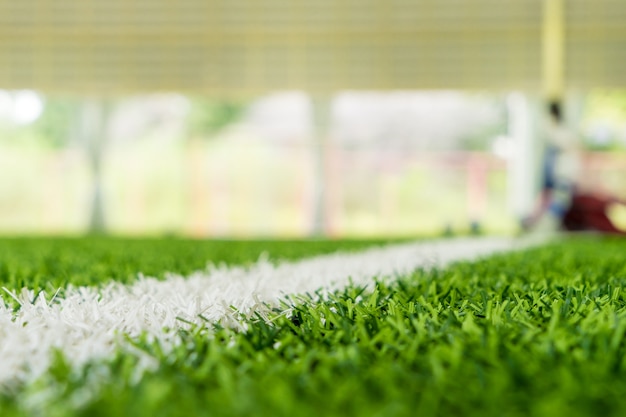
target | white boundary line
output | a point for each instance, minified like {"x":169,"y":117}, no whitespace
{"x":87,"y":322}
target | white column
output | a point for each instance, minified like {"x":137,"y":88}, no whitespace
{"x":92,"y":125}
{"x":320,"y":107}
{"x":524,"y":165}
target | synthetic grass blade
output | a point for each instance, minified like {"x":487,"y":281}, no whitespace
{"x":87,"y":323}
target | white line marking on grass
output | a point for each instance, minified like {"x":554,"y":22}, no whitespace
{"x":86,"y":323}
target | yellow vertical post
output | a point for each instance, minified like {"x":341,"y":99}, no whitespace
{"x":553,"y":49}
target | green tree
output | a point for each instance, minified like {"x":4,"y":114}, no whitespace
{"x":57,"y":122}
{"x":607,"y":109}
{"x":208,"y":116}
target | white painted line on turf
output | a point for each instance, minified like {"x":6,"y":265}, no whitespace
{"x":87,"y":322}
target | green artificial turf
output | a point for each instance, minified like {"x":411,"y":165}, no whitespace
{"x":50,"y":263}
{"x":535,"y":333}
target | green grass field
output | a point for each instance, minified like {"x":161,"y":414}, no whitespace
{"x":534,"y":333}
{"x":49,"y":263}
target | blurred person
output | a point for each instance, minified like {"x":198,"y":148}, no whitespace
{"x":566,"y":202}
{"x":560,"y":171}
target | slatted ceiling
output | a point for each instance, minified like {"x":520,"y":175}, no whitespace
{"x":605,"y":13}
{"x":596,"y":43}
{"x":251,"y":46}
{"x":188,"y":15}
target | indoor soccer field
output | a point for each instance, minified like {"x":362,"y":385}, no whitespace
{"x":211,"y":123}
{"x":463,"y":327}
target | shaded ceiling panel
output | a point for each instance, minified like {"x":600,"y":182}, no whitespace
{"x":595,"y":43}
{"x":251,"y":46}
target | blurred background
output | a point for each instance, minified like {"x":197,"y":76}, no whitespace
{"x":290,"y":118}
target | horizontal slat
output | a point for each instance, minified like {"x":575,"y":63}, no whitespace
{"x":250,"y":46}
{"x":596,"y":43}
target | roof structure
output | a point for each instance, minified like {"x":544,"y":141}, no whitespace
{"x":241,"y":47}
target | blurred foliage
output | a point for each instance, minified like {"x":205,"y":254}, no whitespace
{"x":590,"y":144}
{"x":54,"y":126}
{"x":608,"y":105}
{"x":481,"y":138}
{"x":604,"y":120}
{"x":208,"y":116}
